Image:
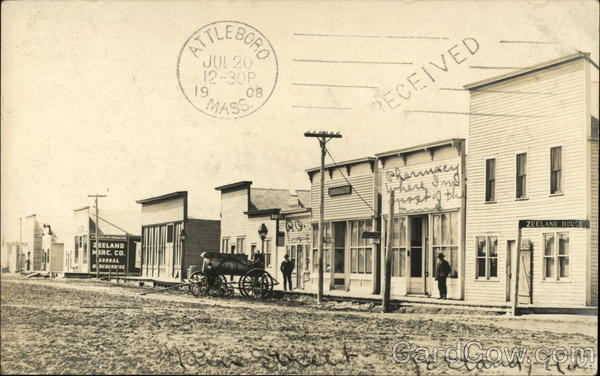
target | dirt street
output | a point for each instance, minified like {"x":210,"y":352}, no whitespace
{"x":86,"y":326}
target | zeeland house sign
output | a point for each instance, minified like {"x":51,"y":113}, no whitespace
{"x":112,"y":255}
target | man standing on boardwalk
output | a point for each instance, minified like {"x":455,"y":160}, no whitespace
{"x":442,"y":270}
{"x":286,"y":268}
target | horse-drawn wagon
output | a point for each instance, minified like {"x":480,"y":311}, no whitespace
{"x":210,"y":279}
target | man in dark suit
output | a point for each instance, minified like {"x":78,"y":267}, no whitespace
{"x":286,"y":268}
{"x":442,"y":270}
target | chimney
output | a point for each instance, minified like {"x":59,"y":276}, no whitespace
{"x":293,"y":201}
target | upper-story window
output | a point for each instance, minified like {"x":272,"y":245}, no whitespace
{"x":490,"y":180}
{"x":241,"y":245}
{"x":521,"y":175}
{"x":556,"y":170}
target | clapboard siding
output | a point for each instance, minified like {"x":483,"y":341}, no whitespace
{"x":233,"y":219}
{"x":533,"y":113}
{"x":594,"y":224}
{"x":345,"y":206}
{"x":297,"y":228}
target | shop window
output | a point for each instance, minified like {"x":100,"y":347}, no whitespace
{"x":445,"y":240}
{"x":490,"y":180}
{"x":170,"y":229}
{"x":360,"y":249}
{"x":241,"y":245}
{"x":487,"y":257}
{"x":224,"y":245}
{"x":84,"y":241}
{"x":326,"y":247}
{"x":556,"y":170}
{"x":521,"y":178}
{"x":76,"y":251}
{"x":398,"y":246}
{"x":556,"y":255}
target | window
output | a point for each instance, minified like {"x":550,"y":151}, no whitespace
{"x":445,"y":240}
{"x":224,"y":245}
{"x":556,"y":170}
{"x":170,"y":233}
{"x":487,"y":257}
{"x":360,"y":250}
{"x":556,"y":255}
{"x":326,"y":247}
{"x":241,"y":245}
{"x":490,"y":180}
{"x":521,"y":175}
{"x":267,"y":252}
{"x":398,"y":246}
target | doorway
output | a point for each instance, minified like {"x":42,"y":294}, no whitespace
{"x":417,"y":229}
{"x":339,"y":255}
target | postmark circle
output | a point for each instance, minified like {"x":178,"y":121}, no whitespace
{"x":227,"y":69}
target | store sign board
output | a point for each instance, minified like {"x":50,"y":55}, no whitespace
{"x":371,"y":234}
{"x":554,"y":223}
{"x":112,"y":255}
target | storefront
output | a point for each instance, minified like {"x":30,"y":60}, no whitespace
{"x":351,"y":208}
{"x":296,"y":224}
{"x":429,"y":215}
{"x":172,"y":241}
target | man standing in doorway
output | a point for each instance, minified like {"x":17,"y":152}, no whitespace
{"x":286,"y":268}
{"x":442,"y":269}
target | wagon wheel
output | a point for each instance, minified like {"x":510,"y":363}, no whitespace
{"x":221,"y":287}
{"x":250,"y":284}
{"x":198,"y":285}
{"x":267,"y":285}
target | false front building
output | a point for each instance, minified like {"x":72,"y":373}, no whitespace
{"x":172,"y":241}
{"x":533,"y":170}
{"x":429,"y":215}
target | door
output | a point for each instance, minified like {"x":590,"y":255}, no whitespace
{"x":339,"y":256}
{"x":417,"y":259}
{"x":169,"y":265}
{"x":525,"y":276}
{"x":510,"y":248}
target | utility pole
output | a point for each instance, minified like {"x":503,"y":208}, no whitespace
{"x":387,"y":270}
{"x":96,"y":241}
{"x":323,"y":138}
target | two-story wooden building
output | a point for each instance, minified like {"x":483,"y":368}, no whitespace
{"x":533,"y":159}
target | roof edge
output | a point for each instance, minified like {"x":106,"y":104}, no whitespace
{"x":239,"y":184}
{"x":344,"y":163}
{"x":411,"y":149}
{"x":162,"y":197}
{"x":528,"y":70}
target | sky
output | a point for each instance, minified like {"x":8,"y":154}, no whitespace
{"x":91,"y":102}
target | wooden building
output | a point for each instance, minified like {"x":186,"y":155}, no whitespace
{"x":244,"y":210}
{"x":429,"y":215}
{"x":172,"y":241}
{"x":533,"y":157}
{"x":350,"y":263}
{"x":32,"y":247}
{"x":118,"y":233}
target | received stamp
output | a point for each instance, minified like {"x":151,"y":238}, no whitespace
{"x":227,"y":69}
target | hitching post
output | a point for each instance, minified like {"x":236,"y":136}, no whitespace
{"x":385,"y":303}
{"x":323,"y":138}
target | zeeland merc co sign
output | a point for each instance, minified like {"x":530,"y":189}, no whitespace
{"x":554,"y":223}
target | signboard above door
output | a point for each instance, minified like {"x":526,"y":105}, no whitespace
{"x":554,"y":223}
{"x":340,"y":191}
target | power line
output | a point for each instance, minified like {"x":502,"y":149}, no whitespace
{"x":350,"y":184}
